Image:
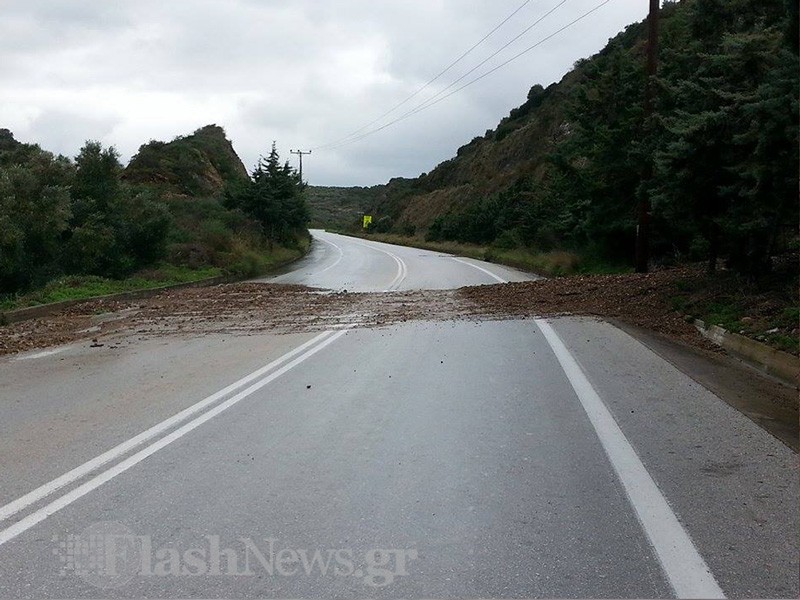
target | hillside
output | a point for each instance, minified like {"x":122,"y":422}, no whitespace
{"x":199,"y":164}
{"x":488,"y":164}
{"x":180,"y":211}
{"x":340,"y":206}
{"x":564,"y":169}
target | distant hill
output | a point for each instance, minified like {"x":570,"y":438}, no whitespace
{"x":340,"y":206}
{"x":199,"y":164}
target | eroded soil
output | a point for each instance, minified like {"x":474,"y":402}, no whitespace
{"x":245,"y":308}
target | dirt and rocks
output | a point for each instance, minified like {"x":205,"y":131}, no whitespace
{"x":246,"y":308}
{"x":642,"y":300}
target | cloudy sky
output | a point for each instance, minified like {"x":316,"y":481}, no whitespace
{"x":302,"y":72}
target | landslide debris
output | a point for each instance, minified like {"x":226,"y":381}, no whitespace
{"x":247,"y":308}
{"x":640,"y":299}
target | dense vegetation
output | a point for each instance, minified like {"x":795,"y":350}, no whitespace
{"x":718,"y":160}
{"x":181,"y":210}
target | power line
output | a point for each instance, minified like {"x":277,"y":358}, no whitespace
{"x":429,"y":103}
{"x":300,"y":153}
{"x":430,"y":82}
{"x":498,"y":51}
{"x":436,"y":98}
{"x":513,"y":58}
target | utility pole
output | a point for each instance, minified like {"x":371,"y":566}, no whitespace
{"x":300,"y":154}
{"x":643,"y":228}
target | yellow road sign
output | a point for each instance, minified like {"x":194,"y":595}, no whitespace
{"x":367,"y":220}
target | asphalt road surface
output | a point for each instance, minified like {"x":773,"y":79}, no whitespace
{"x":533,"y":458}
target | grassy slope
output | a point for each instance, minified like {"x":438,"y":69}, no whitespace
{"x":767,"y":311}
{"x":81,"y":287}
{"x":206,"y":240}
{"x":552,"y":264}
{"x":85,"y":287}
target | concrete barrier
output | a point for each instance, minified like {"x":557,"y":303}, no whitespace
{"x":777,"y":363}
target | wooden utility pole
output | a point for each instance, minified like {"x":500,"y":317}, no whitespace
{"x":300,"y":154}
{"x":643,"y":228}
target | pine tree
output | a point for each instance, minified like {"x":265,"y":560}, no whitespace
{"x":273,"y":197}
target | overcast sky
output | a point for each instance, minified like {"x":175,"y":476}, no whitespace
{"x":301,"y":72}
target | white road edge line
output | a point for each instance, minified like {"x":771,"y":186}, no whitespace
{"x":684,"y":568}
{"x":336,"y":262}
{"x":402,"y":268}
{"x":489,"y":273}
{"x":95,"y":482}
{"x":48,"y":488}
{"x":41,"y":354}
{"x":687,"y":572}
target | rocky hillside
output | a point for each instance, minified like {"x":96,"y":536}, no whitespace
{"x":565,"y":169}
{"x":194,"y":165}
{"x":517,"y":150}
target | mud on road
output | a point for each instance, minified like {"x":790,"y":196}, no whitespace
{"x":246,"y":308}
{"x":250,"y":308}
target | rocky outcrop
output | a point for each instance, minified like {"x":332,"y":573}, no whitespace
{"x":200,"y":164}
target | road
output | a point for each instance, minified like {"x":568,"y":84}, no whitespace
{"x":534,"y":458}
{"x":341,"y":263}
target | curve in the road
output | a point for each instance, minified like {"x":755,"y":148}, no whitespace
{"x":334,"y":263}
{"x":402,"y":268}
{"x":487,"y":271}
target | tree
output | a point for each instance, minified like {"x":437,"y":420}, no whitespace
{"x":598,"y":163}
{"x":34,"y":215}
{"x":728,"y":159}
{"x":114,"y":228}
{"x":97,"y":179}
{"x":273,"y":197}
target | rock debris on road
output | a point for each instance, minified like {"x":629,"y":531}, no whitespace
{"x":246,"y":308}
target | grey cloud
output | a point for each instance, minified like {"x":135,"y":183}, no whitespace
{"x":304,"y":73}
{"x":62,"y":129}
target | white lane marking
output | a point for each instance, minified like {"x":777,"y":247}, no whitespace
{"x":687,"y":572}
{"x":489,"y":273}
{"x":41,"y":354}
{"x":95,"y":482}
{"x":402,"y":272}
{"x":97,"y":462}
{"x":336,"y":262}
{"x":402,"y":268}
{"x":685,"y":569}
